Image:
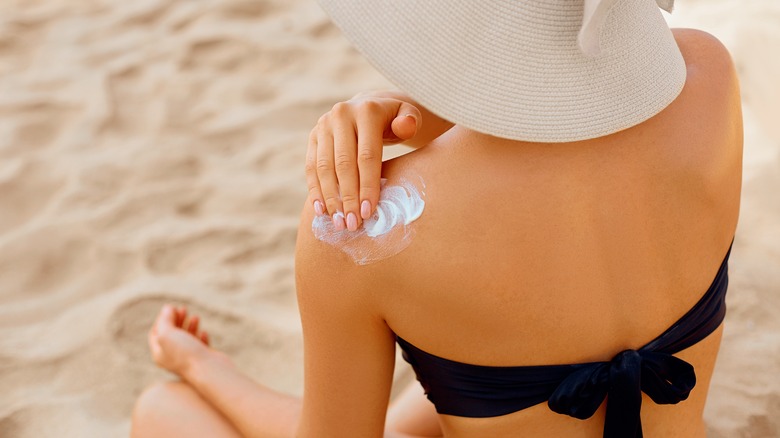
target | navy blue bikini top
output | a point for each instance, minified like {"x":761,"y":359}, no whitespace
{"x":578,"y":390}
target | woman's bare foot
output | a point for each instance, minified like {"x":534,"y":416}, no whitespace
{"x":176,"y":341}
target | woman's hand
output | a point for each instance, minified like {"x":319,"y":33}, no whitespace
{"x":176,"y":341}
{"x":344,"y":157}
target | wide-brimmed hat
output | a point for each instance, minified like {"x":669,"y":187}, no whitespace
{"x":533,"y":70}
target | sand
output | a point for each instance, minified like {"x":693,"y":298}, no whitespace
{"x":152,"y":151}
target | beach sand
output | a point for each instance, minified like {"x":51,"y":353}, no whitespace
{"x":152,"y":151}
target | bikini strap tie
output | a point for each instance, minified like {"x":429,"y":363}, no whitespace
{"x":664,"y":378}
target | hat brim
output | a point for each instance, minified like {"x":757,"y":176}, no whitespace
{"x":513,"y":69}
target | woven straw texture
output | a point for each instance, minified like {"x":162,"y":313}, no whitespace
{"x":514,"y":69}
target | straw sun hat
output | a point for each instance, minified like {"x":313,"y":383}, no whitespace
{"x":533,"y":70}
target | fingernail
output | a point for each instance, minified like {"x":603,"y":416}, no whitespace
{"x":352,"y":222}
{"x":365,"y":209}
{"x":412,"y":117}
{"x":318,"y":208}
{"x":338,"y":221}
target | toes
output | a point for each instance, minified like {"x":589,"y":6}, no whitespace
{"x":192,"y":327}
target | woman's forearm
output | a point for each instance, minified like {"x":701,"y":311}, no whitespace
{"x":256,"y":411}
{"x":432,"y":125}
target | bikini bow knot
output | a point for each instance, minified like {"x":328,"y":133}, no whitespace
{"x":593,"y":17}
{"x":663,"y":377}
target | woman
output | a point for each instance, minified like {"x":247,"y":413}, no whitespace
{"x":580,"y":187}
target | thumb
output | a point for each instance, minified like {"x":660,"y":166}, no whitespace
{"x":407,"y":122}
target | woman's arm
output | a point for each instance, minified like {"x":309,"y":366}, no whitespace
{"x":349,"y":351}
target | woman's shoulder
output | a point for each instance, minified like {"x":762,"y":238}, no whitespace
{"x":711,"y":71}
{"x":701,"y":42}
{"x":340,"y":265}
{"x":701,"y":131}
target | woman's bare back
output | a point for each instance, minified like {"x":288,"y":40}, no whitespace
{"x":542,"y":254}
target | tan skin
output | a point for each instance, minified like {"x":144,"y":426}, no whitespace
{"x":560,"y":253}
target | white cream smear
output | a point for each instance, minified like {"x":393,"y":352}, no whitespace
{"x":386,"y":233}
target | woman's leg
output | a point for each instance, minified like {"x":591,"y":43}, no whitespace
{"x":174,"y":409}
{"x":179,"y":409}
{"x":230,"y":403}
{"x":412,"y":415}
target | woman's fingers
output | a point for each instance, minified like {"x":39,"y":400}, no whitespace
{"x":345,"y":162}
{"x":204,"y":337}
{"x":407,"y":122}
{"x":369,"y":160}
{"x":326,"y":172}
{"x":313,"y":183}
{"x":344,"y":156}
{"x":380,"y":122}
